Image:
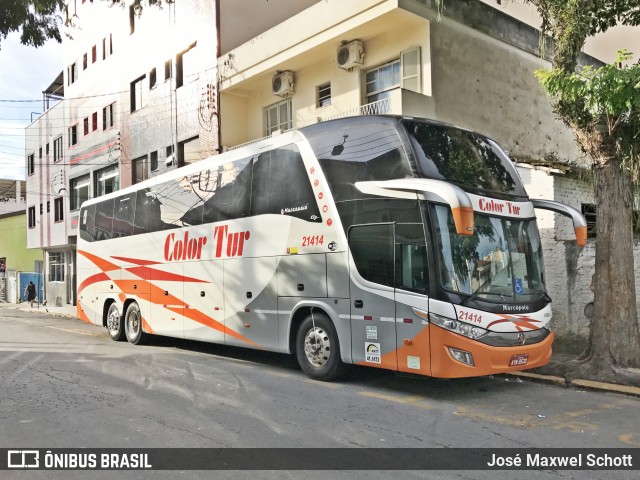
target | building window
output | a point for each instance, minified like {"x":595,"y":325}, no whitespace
{"x":108,"y":114}
{"x":589,"y":212}
{"x":86,"y":125}
{"x":167,"y":70}
{"x":94,"y":54}
{"x":79,"y":191}
{"x":56,"y":266}
{"x":152,"y":78}
{"x":57,"y":149}
{"x":410,"y":65}
{"x":41,"y":209}
{"x":277,"y":117}
{"x":140,"y":170}
{"x":381,"y":80}
{"x":132,"y":20}
{"x":46,"y":149}
{"x":186,"y":67}
{"x":106,"y":181}
{"x":137,"y":99}
{"x":169,"y":156}
{"x":154,"y":161}
{"x":73,"y":135}
{"x":189,"y":151}
{"x":48,"y":206}
{"x":323,"y":95}
{"x":58,"y":211}
{"x":104,"y":49}
{"x":71,"y":74}
{"x":84,"y":61}
{"x":32,"y":217}
{"x":94,"y":121}
{"x":31,"y":164}
{"x":40,"y":153}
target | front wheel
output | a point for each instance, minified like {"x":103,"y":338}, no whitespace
{"x":115,"y":325}
{"x":318,"y":348}
{"x":133,"y":325}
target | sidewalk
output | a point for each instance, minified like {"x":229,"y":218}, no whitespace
{"x":69,"y":311}
{"x":63,"y":311}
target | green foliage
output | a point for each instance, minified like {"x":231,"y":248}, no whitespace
{"x":611,"y":91}
{"x":38,"y":21}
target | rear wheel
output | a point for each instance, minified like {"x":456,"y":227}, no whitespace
{"x":115,"y":325}
{"x":133,"y":325}
{"x":318,"y":349}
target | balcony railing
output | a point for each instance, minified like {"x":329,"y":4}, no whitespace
{"x":375,"y":108}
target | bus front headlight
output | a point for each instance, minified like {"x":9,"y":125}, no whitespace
{"x":456,"y":326}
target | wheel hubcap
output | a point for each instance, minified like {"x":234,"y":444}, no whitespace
{"x":133,"y":323}
{"x":317,"y":347}
{"x":113,"y":322}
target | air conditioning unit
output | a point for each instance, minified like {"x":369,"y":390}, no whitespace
{"x":350,"y":55}
{"x":282,"y":84}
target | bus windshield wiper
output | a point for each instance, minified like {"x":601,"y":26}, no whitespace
{"x":477,"y":293}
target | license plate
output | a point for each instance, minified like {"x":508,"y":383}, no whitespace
{"x":520,"y":359}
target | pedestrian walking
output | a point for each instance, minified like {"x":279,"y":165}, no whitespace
{"x":30,"y":292}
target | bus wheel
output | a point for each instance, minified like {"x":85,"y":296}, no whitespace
{"x":133,"y":325}
{"x":318,"y":349}
{"x":114,"y":323}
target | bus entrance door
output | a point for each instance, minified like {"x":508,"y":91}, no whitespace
{"x":373,"y":307}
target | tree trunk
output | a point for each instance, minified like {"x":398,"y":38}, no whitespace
{"x":614,"y":339}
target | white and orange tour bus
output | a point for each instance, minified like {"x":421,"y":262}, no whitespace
{"x":393,"y":242}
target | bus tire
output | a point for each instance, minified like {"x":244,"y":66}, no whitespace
{"x":318,"y":349}
{"x":115,"y":324}
{"x":133,"y":325}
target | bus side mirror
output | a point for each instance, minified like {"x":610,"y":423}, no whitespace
{"x":579,"y":222}
{"x":427,"y":189}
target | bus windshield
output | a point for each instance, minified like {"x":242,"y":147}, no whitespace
{"x":501,"y":261}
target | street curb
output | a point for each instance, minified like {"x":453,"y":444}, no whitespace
{"x":578,"y":383}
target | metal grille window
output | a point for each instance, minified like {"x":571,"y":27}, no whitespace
{"x":31,"y":164}
{"x":56,"y":266}
{"x":589,"y":212}
{"x":154,"y":161}
{"x":278,"y":117}
{"x":324,"y":95}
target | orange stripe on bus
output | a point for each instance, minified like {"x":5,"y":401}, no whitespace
{"x":153,"y":274}
{"x":101,"y":263}
{"x":98,"y":277}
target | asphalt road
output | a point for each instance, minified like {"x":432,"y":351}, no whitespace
{"x":64,"y":383}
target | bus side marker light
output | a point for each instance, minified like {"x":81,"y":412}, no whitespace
{"x":462,"y":356}
{"x":408,"y":341}
{"x":368,"y":317}
{"x":246,"y":325}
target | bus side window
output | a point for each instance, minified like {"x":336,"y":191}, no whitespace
{"x":227,"y":191}
{"x":124,"y":207}
{"x":281,"y":186}
{"x":103,"y":220}
{"x":372,"y":250}
{"x":411,"y":258}
{"x":87,"y":219}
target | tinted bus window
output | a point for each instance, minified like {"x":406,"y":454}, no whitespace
{"x":462,"y":157}
{"x":87,"y":223}
{"x":281,"y":186}
{"x":103,"y":220}
{"x":147,"y":216}
{"x":124,"y":211}
{"x":226,"y":191}
{"x":176,"y":199}
{"x":360,"y":153}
